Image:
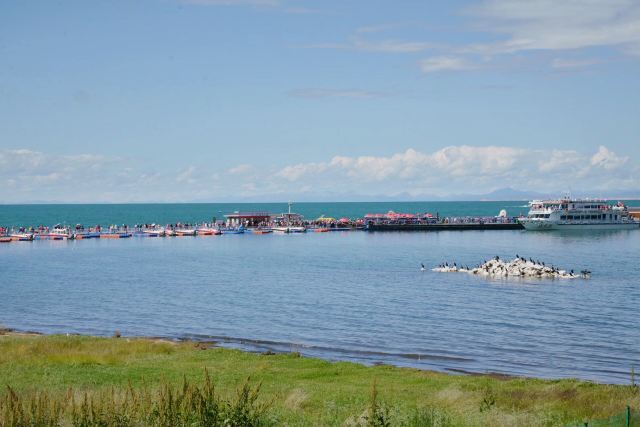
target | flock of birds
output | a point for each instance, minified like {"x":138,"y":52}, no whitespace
{"x":518,"y":267}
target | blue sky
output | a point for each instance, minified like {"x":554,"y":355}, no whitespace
{"x":217,"y":100}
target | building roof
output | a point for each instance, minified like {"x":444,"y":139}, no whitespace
{"x":248,"y":215}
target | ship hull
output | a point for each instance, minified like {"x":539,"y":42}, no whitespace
{"x":550,"y":225}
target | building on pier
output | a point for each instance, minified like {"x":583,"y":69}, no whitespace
{"x":248,"y":219}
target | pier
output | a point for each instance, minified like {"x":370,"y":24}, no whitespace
{"x":441,"y":226}
{"x":266,"y":223}
{"x":392,"y":221}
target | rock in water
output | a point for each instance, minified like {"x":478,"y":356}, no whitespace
{"x":518,"y":267}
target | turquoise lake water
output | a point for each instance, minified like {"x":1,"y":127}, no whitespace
{"x":103,"y":214}
{"x":342,"y":296}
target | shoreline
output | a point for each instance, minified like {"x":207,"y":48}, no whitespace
{"x":298,"y":390}
{"x":213,"y":342}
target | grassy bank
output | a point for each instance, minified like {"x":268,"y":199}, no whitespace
{"x":293,"y":390}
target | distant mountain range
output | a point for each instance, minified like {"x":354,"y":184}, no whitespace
{"x":501,"y":194}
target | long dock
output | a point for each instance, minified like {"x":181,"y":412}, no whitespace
{"x":445,"y":226}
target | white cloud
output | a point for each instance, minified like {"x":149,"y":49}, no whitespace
{"x":558,"y":25}
{"x":466,"y":169}
{"x":294,"y":172}
{"x":607,"y":159}
{"x":518,"y":26}
{"x":445,"y":63}
{"x":28,"y":175}
{"x":561,"y":161}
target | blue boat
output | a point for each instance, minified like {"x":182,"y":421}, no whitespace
{"x":232,"y":230}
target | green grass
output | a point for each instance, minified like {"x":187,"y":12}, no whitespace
{"x":297,"y":390}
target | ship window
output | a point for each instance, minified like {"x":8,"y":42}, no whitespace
{"x":563,"y":217}
{"x":546,"y":215}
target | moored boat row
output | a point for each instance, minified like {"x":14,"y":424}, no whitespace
{"x":561,"y":214}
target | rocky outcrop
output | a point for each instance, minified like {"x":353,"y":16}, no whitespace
{"x":518,"y":267}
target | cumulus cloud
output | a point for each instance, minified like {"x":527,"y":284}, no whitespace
{"x":28,"y":175}
{"x":295,"y":172}
{"x":449,"y":162}
{"x":467,"y":169}
{"x":607,"y":159}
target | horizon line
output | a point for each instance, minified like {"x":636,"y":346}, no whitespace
{"x":294,"y":202}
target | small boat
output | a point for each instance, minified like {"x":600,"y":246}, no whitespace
{"x":321,"y":230}
{"x":153,"y":232}
{"x":261,"y":231}
{"x":185,"y":232}
{"x":48,"y":236}
{"x":5,"y":239}
{"x":61,"y":233}
{"x":289,"y":229}
{"x":230,"y":230}
{"x":206,"y":231}
{"x":115,"y":235}
{"x":22,"y":237}
{"x":87,"y":235}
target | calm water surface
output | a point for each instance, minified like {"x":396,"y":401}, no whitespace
{"x":345,"y":295}
{"x":165,"y":213}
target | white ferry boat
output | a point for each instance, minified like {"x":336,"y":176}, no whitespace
{"x":577,"y":214}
